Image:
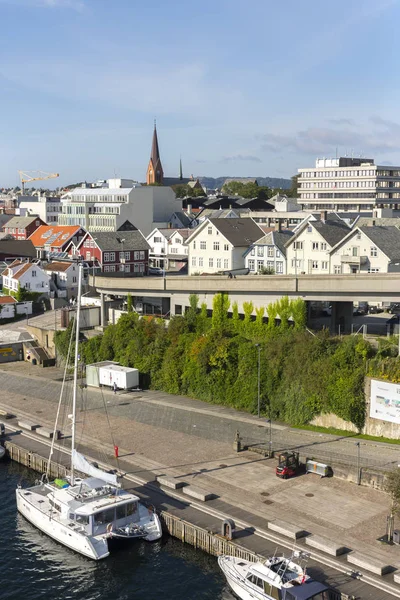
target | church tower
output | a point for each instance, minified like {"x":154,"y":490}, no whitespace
{"x":155,"y":172}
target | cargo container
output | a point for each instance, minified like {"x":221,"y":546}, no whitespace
{"x":124,"y":378}
{"x":92,"y":372}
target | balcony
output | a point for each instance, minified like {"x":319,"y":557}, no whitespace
{"x":348,"y":259}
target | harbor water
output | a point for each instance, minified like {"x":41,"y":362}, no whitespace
{"x":34,"y":567}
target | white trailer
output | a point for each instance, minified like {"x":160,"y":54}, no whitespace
{"x":125,"y":378}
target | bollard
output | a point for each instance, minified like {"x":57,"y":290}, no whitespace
{"x":237,"y":445}
{"x":116,"y":449}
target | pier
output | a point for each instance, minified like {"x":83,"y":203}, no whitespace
{"x":200,"y":523}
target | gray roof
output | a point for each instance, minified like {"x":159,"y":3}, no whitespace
{"x":22,"y":222}
{"x":383,"y":221}
{"x":112,"y":240}
{"x":276,"y":238}
{"x":5,"y":218}
{"x":184,"y":219}
{"x":15,"y":248}
{"x":239,"y":232}
{"x":332,"y":231}
{"x":386,"y":239}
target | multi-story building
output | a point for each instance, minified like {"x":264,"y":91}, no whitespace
{"x":21,"y":228}
{"x":269,"y":252}
{"x":28,"y":276}
{"x":351,"y":184}
{"x":219,"y":245}
{"x":308,"y":250}
{"x":48,"y":208}
{"x":370,"y":249}
{"x":115,"y":251}
{"x":107,"y":209}
{"x":167,"y":249}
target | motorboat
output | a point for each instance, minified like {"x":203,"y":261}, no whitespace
{"x":85,"y":514}
{"x":277,"y":578}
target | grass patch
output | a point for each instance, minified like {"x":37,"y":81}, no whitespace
{"x":344,"y":433}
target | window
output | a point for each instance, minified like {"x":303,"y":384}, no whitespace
{"x":315,"y":245}
{"x":253,"y":251}
{"x":34,"y":273}
{"x":270,"y":251}
{"x":260,"y":264}
{"x":82,"y":519}
{"x":194,"y":245}
{"x":324,"y":265}
{"x":374,"y":251}
{"x":142,"y":255}
{"x":226,"y":247}
{"x":315,"y":264}
{"x":226,"y":263}
{"x":219,"y":263}
{"x":200,"y":261}
{"x":209,"y":230}
{"x":278,"y":254}
{"x":193,"y":261}
{"x":74,"y":280}
{"x":373,"y":270}
{"x":112,"y":256}
{"x":157,"y":240}
{"x":216,"y":246}
{"x":252,"y":264}
{"x":210,"y":262}
{"x":298,"y":245}
{"x":323,"y":246}
{"x":279,"y":267}
{"x":309,"y":229}
{"x":260,"y":250}
{"x":338,"y":270}
{"x":203,"y":245}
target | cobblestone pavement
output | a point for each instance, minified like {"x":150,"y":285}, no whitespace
{"x":193,"y":440}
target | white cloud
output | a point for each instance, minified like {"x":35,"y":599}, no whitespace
{"x":382,"y":138}
{"x":240,"y":157}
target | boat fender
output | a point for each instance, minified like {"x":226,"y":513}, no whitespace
{"x":109,"y":528}
{"x":151,"y":509}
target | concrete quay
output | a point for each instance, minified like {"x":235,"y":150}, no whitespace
{"x":244,"y":485}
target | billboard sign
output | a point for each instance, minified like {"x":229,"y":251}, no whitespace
{"x":385,"y":401}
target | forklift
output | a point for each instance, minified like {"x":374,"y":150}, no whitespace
{"x":288,"y":465}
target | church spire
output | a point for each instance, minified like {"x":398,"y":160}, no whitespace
{"x":155,"y":172}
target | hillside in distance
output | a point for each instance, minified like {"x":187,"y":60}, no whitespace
{"x":271,"y":182}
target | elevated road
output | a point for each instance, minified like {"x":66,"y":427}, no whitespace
{"x":260,"y":289}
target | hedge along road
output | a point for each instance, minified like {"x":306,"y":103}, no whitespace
{"x":193,"y":417}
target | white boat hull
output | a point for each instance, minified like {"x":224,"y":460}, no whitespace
{"x":94,"y":548}
{"x":240,"y":589}
{"x":2,"y":452}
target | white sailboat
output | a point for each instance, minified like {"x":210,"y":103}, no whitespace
{"x":86,"y":514}
{"x":277,"y":578}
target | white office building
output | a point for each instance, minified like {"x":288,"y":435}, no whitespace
{"x":107,"y":209}
{"x":350,"y":184}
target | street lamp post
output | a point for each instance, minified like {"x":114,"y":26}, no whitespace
{"x":270,"y":433}
{"x":258,"y":346}
{"x":358,"y":464}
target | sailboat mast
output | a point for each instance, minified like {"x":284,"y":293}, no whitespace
{"x":74,"y":397}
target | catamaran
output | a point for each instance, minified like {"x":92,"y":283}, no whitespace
{"x":85,"y":514}
{"x":277,"y":578}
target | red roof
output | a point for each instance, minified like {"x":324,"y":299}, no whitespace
{"x":7,"y":300}
{"x":53,"y":235}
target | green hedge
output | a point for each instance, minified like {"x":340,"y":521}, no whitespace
{"x":216,"y":359}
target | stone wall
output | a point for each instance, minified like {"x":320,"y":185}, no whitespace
{"x":375,"y":427}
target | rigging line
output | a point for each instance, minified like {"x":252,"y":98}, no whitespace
{"x":109,"y":425}
{"x":58,"y":408}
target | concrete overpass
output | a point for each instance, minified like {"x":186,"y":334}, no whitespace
{"x":173,"y":292}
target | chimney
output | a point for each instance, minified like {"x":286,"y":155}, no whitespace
{"x":372,"y":223}
{"x":324,"y":215}
{"x":278,"y":225}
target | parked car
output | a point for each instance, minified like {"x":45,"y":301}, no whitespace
{"x":374,"y":310}
{"x":394,"y":308}
{"x":156,"y":271}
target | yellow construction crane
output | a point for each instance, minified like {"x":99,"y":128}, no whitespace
{"x":28,"y":176}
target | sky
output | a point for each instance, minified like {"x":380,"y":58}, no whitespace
{"x":238,"y":87}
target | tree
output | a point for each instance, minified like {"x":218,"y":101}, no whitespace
{"x":129,"y":303}
{"x":221,"y":305}
{"x":292,"y":193}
